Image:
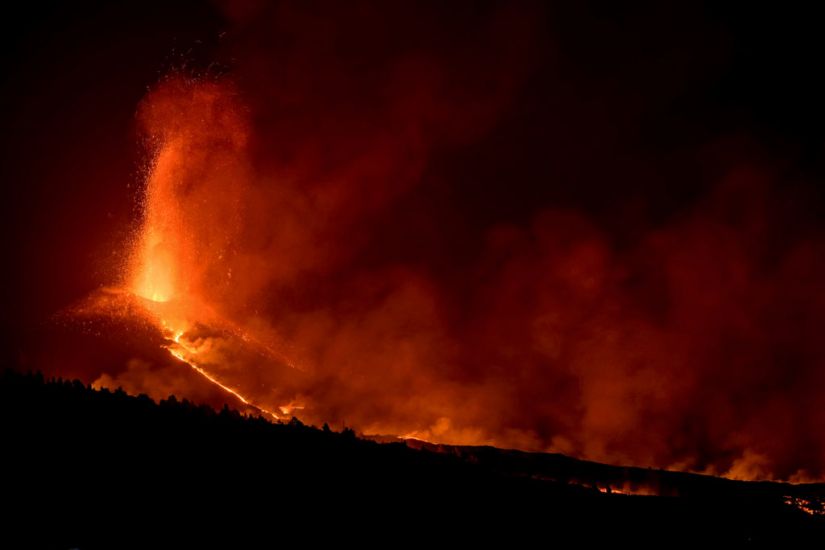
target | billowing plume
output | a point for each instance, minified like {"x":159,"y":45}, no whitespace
{"x":310,"y":239}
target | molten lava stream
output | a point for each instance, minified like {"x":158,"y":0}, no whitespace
{"x":183,"y":352}
{"x":168,"y":315}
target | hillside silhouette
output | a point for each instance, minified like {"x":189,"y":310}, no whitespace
{"x":87,"y":468}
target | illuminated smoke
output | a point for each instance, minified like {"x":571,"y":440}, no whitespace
{"x":286,"y":254}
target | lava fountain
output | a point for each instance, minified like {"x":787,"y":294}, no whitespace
{"x":168,"y":270}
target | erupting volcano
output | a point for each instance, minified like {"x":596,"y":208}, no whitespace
{"x":175,"y":252}
{"x":467,"y":226}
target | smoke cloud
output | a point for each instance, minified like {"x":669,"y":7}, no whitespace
{"x":338,"y":215}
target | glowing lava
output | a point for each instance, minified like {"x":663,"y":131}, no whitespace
{"x":185,"y":352}
{"x":154,"y":278}
{"x":162,"y":245}
{"x":169,"y":264}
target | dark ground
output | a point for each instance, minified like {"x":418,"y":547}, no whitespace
{"x":85,"y":468}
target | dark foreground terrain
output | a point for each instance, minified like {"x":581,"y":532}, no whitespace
{"x":85,"y":468}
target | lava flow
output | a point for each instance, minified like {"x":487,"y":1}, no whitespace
{"x":186,"y":352}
